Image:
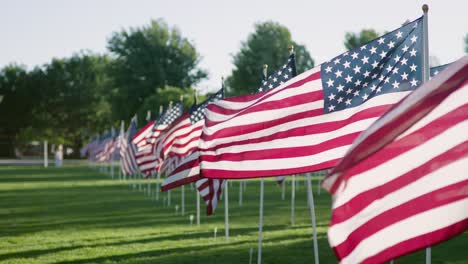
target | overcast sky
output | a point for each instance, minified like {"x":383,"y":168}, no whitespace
{"x":33,"y":32}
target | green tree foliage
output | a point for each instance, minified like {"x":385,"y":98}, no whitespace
{"x":268,"y":44}
{"x":147,"y":58}
{"x":354,"y":40}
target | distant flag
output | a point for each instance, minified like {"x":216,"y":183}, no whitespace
{"x":437,"y":69}
{"x":309,"y":122}
{"x":105,"y":143}
{"x":181,"y":140}
{"x":403,"y":185}
{"x":128,"y":149}
{"x":147,"y":161}
{"x":283,"y":74}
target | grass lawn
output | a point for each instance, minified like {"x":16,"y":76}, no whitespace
{"x":78,"y":215}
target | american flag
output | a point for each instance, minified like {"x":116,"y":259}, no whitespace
{"x":403,"y":185}
{"x":283,"y":74}
{"x":181,"y":140}
{"x":147,"y":137}
{"x":104,"y":146}
{"x":308,"y":123}
{"x":128,"y":149}
{"x":89,"y":147}
{"x":437,"y":69}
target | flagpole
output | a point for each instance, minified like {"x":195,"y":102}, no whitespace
{"x":226,"y":211}
{"x":425,"y":72}
{"x":46,"y":162}
{"x":310,"y":197}
{"x":158,"y":175}
{"x":260,"y":224}
{"x":283,"y":189}
{"x":240,"y":193}
{"x":182,"y":197}
{"x":293,"y":197}
{"x":198,"y":206}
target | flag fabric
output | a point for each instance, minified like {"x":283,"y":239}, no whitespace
{"x":148,"y":136}
{"x":210,"y":190}
{"x":309,"y":122}
{"x":128,"y":149}
{"x":403,"y":185}
{"x":102,"y":150}
{"x":182,"y":140}
{"x":435,"y":70}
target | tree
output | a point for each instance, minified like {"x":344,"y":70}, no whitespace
{"x":355,"y":40}
{"x":147,"y":58}
{"x":268,"y":44}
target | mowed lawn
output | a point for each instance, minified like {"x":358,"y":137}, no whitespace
{"x":78,"y":215}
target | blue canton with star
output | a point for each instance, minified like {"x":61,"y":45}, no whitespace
{"x":435,"y":70}
{"x":170,"y":115}
{"x":283,"y":74}
{"x":197,"y":112}
{"x":391,"y":63}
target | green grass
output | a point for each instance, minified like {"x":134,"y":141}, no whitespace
{"x":78,"y":215}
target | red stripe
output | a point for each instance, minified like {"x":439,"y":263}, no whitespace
{"x":434,"y":128}
{"x":181,"y":182}
{"x":142,"y":130}
{"x":419,"y":242}
{"x":429,"y":201}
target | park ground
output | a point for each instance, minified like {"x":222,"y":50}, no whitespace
{"x":77,"y":214}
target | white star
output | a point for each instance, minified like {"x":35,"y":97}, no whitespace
{"x":331,"y":108}
{"x":391,"y":44}
{"x":381,"y":40}
{"x":379,"y":89}
{"x":348,"y":102}
{"x":414,"y":82}
{"x":357,"y":69}
{"x":330,"y":82}
{"x":413,"y":53}
{"x":373,"y":50}
{"x":404,"y":61}
{"x":413,"y":39}
{"x":387,"y":80}
{"x":348,"y":78}
{"x":285,"y":76}
{"x":265,"y":82}
{"x":397,"y":58}
{"x":365,"y":60}
{"x":328,"y":69}
{"x":366,"y":74}
{"x":365,"y":84}
{"x":405,"y":48}
{"x":404,"y":76}
{"x":338,"y":73}
{"x":373,"y":87}
{"x":336,"y":61}
{"x":363,"y":47}
{"x":357,"y":82}
{"x":356,"y":93}
{"x":280,"y":72}
{"x":413,"y":67}
{"x":340,"y":99}
{"x":331,"y":97}
{"x":270,"y":86}
{"x":289,"y":70}
{"x":354,"y":55}
{"x":399,"y":34}
{"x":349,"y":91}
{"x":383,"y":54}
{"x":340,"y":88}
{"x":395,"y":70}
{"x":381,"y":78}
{"x":275,"y":79}
{"x":364,"y":97}
{"x":374,"y":75}
{"x":436,"y":72}
{"x":375,"y":64}
{"x":346,"y":64}
{"x":395,"y":84}
{"x":389,"y":68}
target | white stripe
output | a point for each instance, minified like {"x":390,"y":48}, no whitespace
{"x":399,"y":165}
{"x":290,"y":142}
{"x":339,"y":233}
{"x":277,"y":164}
{"x":415,"y":226}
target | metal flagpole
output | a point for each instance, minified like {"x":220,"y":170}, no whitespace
{"x":158,"y":176}
{"x":46,"y":162}
{"x":283,"y":190}
{"x":169,"y":198}
{"x":226,"y":211}
{"x":425,"y":72}
{"x":310,"y":197}
{"x":198,"y":206}
{"x":293,"y":197}
{"x":260,"y":224}
{"x":240,"y":193}
{"x":182,"y":197}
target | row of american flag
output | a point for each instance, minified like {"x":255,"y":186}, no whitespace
{"x":397,"y":147}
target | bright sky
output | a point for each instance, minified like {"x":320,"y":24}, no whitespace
{"x":33,"y":32}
